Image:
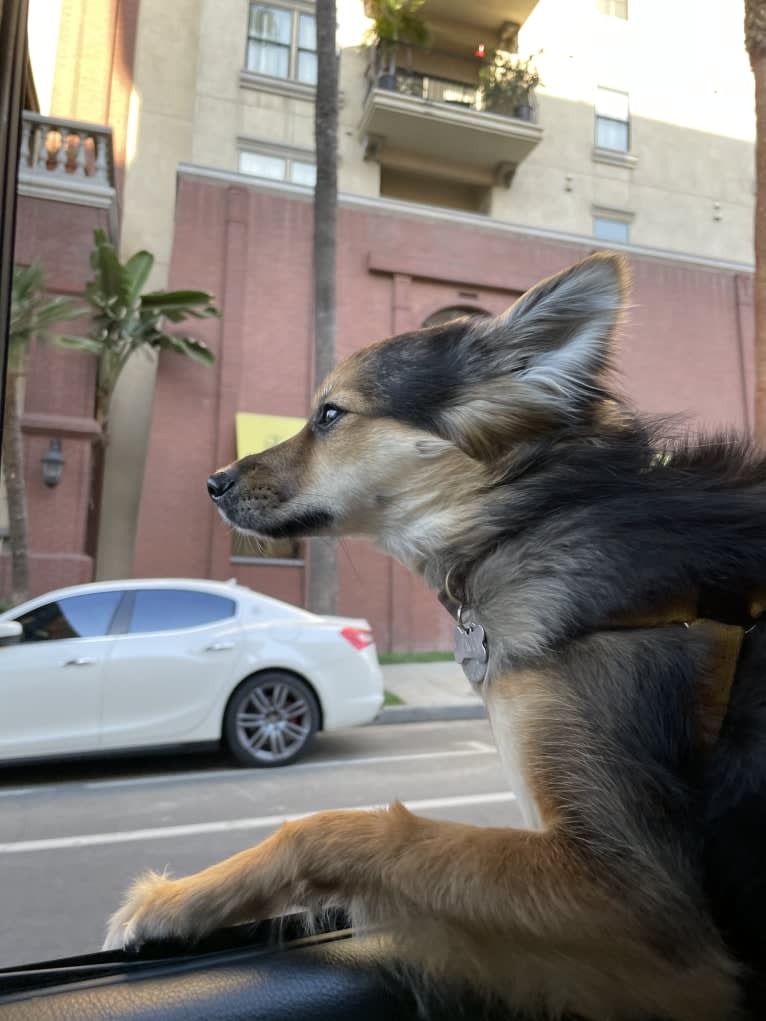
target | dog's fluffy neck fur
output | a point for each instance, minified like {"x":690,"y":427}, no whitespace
{"x":535,"y":480}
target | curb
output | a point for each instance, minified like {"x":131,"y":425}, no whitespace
{"x":429,"y":713}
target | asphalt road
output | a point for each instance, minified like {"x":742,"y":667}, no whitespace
{"x":72,"y":836}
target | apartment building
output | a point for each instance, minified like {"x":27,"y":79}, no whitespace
{"x":638,"y":138}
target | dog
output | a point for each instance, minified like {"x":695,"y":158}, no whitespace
{"x":606,"y":585}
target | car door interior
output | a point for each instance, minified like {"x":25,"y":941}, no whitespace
{"x":268,"y":972}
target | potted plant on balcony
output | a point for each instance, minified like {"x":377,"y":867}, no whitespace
{"x":393,"y":22}
{"x":507,"y":84}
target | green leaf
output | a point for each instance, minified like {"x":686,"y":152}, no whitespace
{"x":189,"y":346}
{"x":86,"y":344}
{"x":137,"y":270}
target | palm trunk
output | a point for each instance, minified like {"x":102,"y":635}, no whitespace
{"x":13,"y":471}
{"x":322,"y":561}
{"x":755,"y":40}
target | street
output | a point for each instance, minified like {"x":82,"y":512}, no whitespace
{"x":73,"y":835}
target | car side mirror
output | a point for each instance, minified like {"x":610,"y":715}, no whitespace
{"x":10,"y":632}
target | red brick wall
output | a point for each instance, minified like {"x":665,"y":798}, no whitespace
{"x":687,"y":347}
{"x":58,"y":400}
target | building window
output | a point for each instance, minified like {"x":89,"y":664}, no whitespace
{"x":607,"y":228}
{"x":278,"y":168}
{"x":614,"y":8}
{"x":612,"y":120}
{"x":281,"y":42}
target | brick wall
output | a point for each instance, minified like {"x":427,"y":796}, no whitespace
{"x":687,"y":347}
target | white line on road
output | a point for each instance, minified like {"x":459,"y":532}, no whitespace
{"x":229,"y":825}
{"x":369,"y":760}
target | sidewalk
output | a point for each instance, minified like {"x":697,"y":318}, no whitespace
{"x":429,"y":691}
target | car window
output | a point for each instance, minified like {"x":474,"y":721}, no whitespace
{"x":87,"y":616}
{"x":169,"y":609}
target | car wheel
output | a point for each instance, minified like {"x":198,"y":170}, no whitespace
{"x":270,"y":720}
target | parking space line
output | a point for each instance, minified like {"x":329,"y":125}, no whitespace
{"x":230,"y":825}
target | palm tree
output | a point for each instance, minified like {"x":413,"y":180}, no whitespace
{"x":33,"y":312}
{"x":322,"y":573}
{"x":125,"y":321}
{"x":755,"y":41}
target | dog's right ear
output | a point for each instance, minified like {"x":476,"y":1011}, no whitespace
{"x":540,"y":364}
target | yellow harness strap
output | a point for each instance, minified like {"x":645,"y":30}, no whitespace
{"x":725,"y":642}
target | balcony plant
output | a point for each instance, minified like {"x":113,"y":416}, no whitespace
{"x":507,"y":83}
{"x":394,"y":22}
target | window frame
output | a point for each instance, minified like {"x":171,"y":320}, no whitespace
{"x":288,"y":155}
{"x":601,"y":118}
{"x":606,"y":217}
{"x":296,"y":11}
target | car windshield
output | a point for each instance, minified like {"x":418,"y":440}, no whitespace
{"x":181,"y":682}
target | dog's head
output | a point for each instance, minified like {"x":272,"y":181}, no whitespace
{"x":405,"y":436}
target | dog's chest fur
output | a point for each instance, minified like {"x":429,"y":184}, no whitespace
{"x":509,"y":712}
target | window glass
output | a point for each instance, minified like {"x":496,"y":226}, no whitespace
{"x":611,"y":134}
{"x":267,"y":58}
{"x":307,"y":67}
{"x":86,"y":616}
{"x":612,"y":119}
{"x":268,"y":48}
{"x":610,"y":230}
{"x":169,"y":609}
{"x":307,"y":32}
{"x":273,"y":167}
{"x":272,"y":24}
{"x":303,"y":173}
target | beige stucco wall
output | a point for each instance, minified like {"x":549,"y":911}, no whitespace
{"x":160,"y":135}
{"x":685,"y":69}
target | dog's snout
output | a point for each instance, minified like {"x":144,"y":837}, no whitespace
{"x":220,"y":483}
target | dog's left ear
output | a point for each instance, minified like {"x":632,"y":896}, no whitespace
{"x":541,"y":363}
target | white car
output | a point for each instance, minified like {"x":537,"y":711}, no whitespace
{"x":134,"y":664}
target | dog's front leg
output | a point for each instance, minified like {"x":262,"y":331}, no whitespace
{"x":491,"y":878}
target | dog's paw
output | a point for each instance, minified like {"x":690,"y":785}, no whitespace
{"x":152,"y":910}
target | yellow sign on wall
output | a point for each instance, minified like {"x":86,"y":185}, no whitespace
{"x":259,"y":432}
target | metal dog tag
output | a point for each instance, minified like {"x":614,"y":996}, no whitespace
{"x":471,"y":651}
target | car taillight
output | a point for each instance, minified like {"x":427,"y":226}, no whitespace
{"x":360,"y":637}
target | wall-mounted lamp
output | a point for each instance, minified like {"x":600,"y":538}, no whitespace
{"x":53,"y":463}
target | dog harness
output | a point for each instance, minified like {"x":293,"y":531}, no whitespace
{"x":725,"y":618}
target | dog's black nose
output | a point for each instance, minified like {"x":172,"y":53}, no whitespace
{"x":220,"y":483}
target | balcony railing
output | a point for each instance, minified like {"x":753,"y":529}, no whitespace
{"x":68,"y":161}
{"x":447,"y":90}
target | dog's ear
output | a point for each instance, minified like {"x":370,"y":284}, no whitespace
{"x":540,"y":364}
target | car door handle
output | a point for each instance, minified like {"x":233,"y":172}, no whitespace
{"x":80,"y":661}
{"x":219,"y":647}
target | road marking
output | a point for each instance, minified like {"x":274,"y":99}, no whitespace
{"x":471,"y":748}
{"x":369,"y":760}
{"x":230,"y":825}
{"x":18,"y":792}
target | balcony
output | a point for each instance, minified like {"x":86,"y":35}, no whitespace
{"x":68,"y":161}
{"x":415,"y":118}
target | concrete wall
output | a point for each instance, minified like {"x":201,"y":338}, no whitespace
{"x":686,"y":348}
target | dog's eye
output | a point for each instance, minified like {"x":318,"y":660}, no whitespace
{"x":328,"y":415}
